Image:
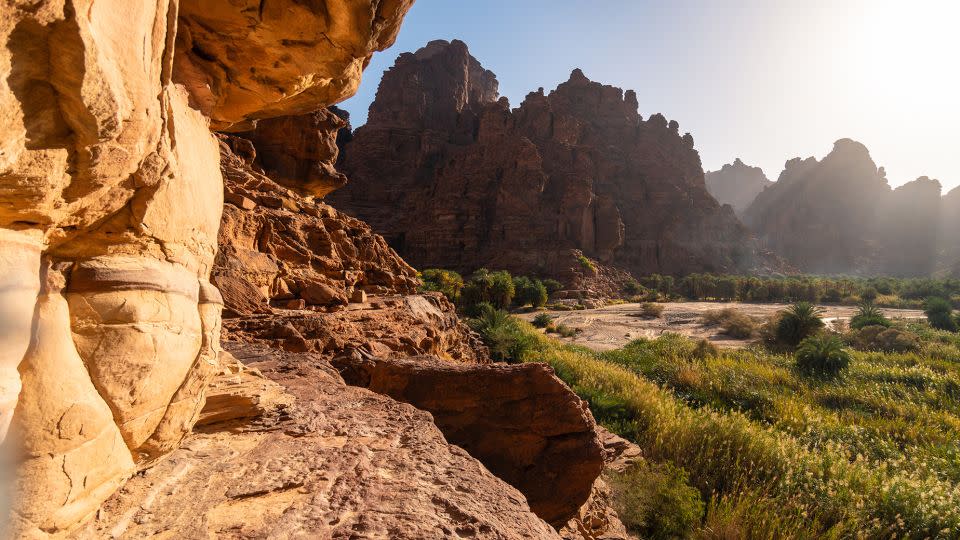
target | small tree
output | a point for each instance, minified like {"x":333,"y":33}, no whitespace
{"x":448,"y":282}
{"x":940,"y":314}
{"x":868,"y":315}
{"x":529,"y":291}
{"x":869,"y":295}
{"x":822,"y":355}
{"x":799,"y":321}
{"x":552,"y":285}
{"x":501,"y":289}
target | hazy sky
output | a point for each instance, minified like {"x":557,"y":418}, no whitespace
{"x":763,"y":80}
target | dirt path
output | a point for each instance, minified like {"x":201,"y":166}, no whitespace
{"x":611,"y":327}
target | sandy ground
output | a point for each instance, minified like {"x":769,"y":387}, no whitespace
{"x":611,"y":327}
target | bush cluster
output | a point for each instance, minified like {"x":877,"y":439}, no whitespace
{"x":651,"y":310}
{"x":939,"y":314}
{"x":656,"y":500}
{"x":893,"y":292}
{"x":497,"y":288}
{"x":732,"y":321}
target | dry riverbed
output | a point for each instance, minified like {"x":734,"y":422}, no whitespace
{"x":610,"y":327}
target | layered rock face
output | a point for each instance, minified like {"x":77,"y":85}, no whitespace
{"x":520,"y":421}
{"x":454,"y":178}
{"x":340,"y":462}
{"x":736,"y":184}
{"x":839,"y":215}
{"x":110,"y":203}
{"x":278,"y":249}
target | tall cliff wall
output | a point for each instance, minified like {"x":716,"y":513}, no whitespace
{"x":839,"y":215}
{"x":471,"y":183}
{"x":110,"y":203}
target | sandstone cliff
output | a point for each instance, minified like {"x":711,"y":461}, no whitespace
{"x":839,"y":215}
{"x":736,"y":184}
{"x":454,"y":178}
{"x":110,"y":203}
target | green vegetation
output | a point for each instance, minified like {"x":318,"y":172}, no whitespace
{"x":773,"y":453}
{"x":798,"y":322}
{"x":884,"y":292}
{"x":823,"y":355}
{"x":732,"y":321}
{"x":504,"y":335}
{"x":940,"y":314}
{"x":868,"y":315}
{"x":530,"y":292}
{"x":542,"y":320}
{"x":497,"y":288}
{"x":586,"y":263}
{"x":448,"y":282}
{"x":655,"y":500}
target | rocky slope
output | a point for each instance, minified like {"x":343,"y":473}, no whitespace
{"x":839,"y":215}
{"x":454,"y":178}
{"x":949,"y":239}
{"x":122,"y":218}
{"x":736,"y":184}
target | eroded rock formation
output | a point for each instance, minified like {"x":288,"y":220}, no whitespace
{"x":839,"y":215}
{"x":522,"y":422}
{"x":278,"y":249}
{"x":736,"y":184}
{"x":454,"y":178}
{"x":110,"y":203}
{"x":340,"y":462}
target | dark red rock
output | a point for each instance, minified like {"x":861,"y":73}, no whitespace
{"x":454,"y":178}
{"x":520,"y":421}
{"x":276,"y":246}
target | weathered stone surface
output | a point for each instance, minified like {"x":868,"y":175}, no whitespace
{"x":340,"y":462}
{"x":839,"y":215}
{"x":454,"y":178}
{"x":521,"y":421}
{"x":248,"y":59}
{"x":949,"y":234}
{"x":409,"y":325}
{"x":736,"y":184}
{"x":287,"y":247}
{"x":110,"y":190}
{"x":300,"y":152}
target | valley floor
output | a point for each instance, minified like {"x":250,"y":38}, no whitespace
{"x":612,"y":327}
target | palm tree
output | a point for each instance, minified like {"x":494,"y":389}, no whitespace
{"x":868,"y":315}
{"x":799,"y":321}
{"x":822,"y":355}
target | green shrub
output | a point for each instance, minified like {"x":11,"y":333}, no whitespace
{"x":562,"y":330}
{"x":529,"y":292}
{"x":502,"y":334}
{"x":552,"y":285}
{"x":657,"y":501}
{"x":651,"y":310}
{"x":586,"y":264}
{"x":734,"y":322}
{"x":632,"y":288}
{"x":542,"y":320}
{"x":799,"y":321}
{"x":939,"y":314}
{"x":868,"y":315}
{"x":881,"y":338}
{"x":495,"y":288}
{"x":869,"y":295}
{"x":447,"y":282}
{"x":822,"y":354}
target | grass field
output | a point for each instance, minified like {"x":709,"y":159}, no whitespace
{"x":872,"y":453}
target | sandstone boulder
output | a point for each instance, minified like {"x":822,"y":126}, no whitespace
{"x":339,"y":462}
{"x":521,"y":421}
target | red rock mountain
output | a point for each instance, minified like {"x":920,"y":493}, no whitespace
{"x":454,"y":178}
{"x":736,"y":184}
{"x":839,"y":215}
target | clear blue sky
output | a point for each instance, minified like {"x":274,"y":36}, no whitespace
{"x":763,"y":80}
